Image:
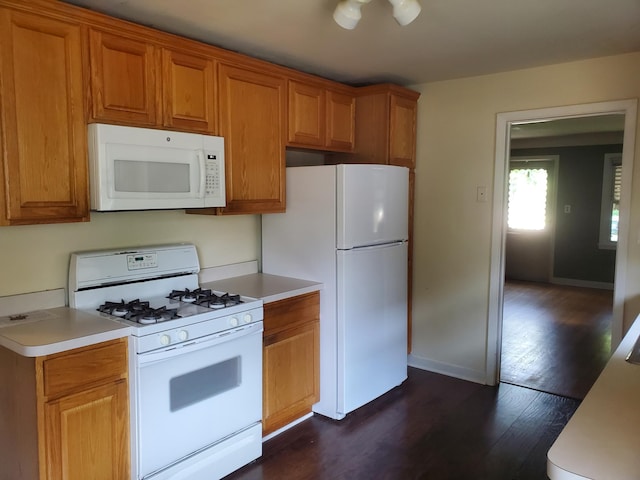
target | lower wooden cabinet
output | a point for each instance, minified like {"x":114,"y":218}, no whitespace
{"x":65,"y":416}
{"x":291,"y":366}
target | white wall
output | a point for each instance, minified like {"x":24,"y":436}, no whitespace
{"x":455,"y":154}
{"x":36,"y":257}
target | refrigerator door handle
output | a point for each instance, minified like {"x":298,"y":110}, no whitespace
{"x":374,"y":246}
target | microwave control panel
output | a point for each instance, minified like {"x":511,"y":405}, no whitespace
{"x":213,"y":180}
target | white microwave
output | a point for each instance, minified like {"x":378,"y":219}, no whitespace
{"x":133,"y":168}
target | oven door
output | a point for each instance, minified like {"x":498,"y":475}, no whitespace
{"x":192,"y":396}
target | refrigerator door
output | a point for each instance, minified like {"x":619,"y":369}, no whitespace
{"x":372,"y":323}
{"x":372,"y":204}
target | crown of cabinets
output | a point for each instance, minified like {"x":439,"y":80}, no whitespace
{"x":62,"y":66}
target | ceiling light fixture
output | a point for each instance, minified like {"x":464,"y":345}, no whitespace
{"x":347,"y":14}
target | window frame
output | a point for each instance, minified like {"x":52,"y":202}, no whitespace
{"x":552,"y":162}
{"x":610,"y":162}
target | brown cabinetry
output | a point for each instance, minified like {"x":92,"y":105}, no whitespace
{"x":252,"y":122}
{"x":70,"y":413}
{"x":291,"y":366}
{"x":124,"y":85}
{"x":188,"y":90}
{"x":43,"y":170}
{"x":138,"y":83}
{"x":385,"y":126}
{"x":319,"y":117}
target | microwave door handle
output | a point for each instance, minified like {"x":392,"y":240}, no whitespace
{"x":203,"y":172}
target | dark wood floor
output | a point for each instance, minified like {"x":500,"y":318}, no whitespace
{"x":431,"y":427}
{"x":556,"y":339}
{"x":435,"y":427}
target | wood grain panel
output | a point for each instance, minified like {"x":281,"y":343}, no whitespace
{"x":252,"y":121}
{"x":402,"y":133}
{"x":72,"y":370}
{"x":341,"y":113}
{"x":306,"y":114}
{"x":291,"y":375}
{"x":124,"y":84}
{"x":291,"y":312}
{"x":189,"y":92}
{"x":44,"y":133}
{"x":87,"y":434}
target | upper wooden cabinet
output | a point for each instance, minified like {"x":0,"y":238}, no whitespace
{"x":43,"y":167}
{"x":341,"y":116}
{"x":139,"y":83}
{"x":124,"y":84}
{"x":188,"y":90}
{"x":320,"y":118}
{"x":385,"y":126}
{"x":252,"y":122}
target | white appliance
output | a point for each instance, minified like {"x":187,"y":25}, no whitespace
{"x":196,"y":359}
{"x":347,"y":226}
{"x":133,"y":168}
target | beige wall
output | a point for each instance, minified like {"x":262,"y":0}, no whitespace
{"x":36,"y":257}
{"x":455,"y":154}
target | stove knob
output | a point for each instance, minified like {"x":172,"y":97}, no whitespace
{"x":247,"y":318}
{"x":165,"y":339}
{"x":183,"y":335}
{"x":233,"y":321}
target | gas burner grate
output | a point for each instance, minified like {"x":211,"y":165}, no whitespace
{"x":205,"y":298}
{"x":138,"y":311}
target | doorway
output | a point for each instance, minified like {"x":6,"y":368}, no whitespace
{"x":503,"y":146}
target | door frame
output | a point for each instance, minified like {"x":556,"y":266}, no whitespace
{"x":504,"y":121}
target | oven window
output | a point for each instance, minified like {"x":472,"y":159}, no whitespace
{"x":207,"y":382}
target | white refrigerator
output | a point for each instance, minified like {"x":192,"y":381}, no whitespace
{"x":347,"y":226}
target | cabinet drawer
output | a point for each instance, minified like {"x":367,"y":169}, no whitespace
{"x":291,"y":312}
{"x":84,"y":366}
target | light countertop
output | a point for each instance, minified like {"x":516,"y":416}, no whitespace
{"x":269,"y":288}
{"x":602,"y":439}
{"x":54,"y":330}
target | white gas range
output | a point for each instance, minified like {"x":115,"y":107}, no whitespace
{"x":196,"y":376}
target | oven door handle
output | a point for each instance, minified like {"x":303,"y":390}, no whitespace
{"x":156,"y":356}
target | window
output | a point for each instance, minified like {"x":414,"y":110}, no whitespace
{"x":527,"y":203}
{"x":610,"y":206}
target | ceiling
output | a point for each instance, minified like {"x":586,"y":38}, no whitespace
{"x":450,"y":39}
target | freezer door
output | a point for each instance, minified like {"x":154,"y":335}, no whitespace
{"x":372,"y":204}
{"x":372,"y":323}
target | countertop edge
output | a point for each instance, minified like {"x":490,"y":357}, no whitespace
{"x":600,"y":439}
{"x":64,"y":345}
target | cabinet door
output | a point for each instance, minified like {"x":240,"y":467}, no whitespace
{"x":402,"y":132}
{"x":124,"y":87}
{"x":341,"y":111}
{"x":306,"y":115}
{"x":290,"y":370}
{"x":188,"y":92}
{"x":86,"y":434}
{"x":43,"y":169}
{"x":252,"y":116}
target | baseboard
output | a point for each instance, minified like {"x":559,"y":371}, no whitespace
{"x":572,"y":282}
{"x":287,"y":427}
{"x":450,"y":370}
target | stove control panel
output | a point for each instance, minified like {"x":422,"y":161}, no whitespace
{"x":157,"y":336}
{"x":142,"y":260}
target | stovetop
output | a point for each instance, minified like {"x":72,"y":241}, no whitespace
{"x":155,"y":291}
